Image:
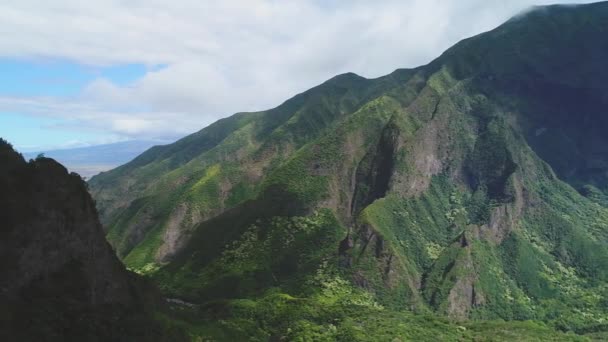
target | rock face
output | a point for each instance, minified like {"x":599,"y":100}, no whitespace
{"x":59,"y":278}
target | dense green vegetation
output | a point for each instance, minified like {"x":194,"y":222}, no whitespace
{"x":462,"y":200}
{"x":341,"y":313}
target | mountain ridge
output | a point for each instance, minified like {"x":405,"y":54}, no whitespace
{"x":472,"y":187}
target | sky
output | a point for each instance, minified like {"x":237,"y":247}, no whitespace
{"x":79,"y":73}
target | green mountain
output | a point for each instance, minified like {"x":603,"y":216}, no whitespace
{"x":60,"y":279}
{"x":473,"y":188}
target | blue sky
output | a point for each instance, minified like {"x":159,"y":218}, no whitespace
{"x":77,"y":73}
{"x":55,"y":78}
{"x":48,"y":77}
{"x":27,"y":133}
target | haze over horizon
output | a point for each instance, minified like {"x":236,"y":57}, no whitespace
{"x":77,"y":75}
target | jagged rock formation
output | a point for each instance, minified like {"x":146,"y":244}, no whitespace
{"x":59,"y":278}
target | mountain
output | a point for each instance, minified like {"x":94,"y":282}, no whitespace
{"x":473,"y":188}
{"x":91,"y":160}
{"x":59,"y":277}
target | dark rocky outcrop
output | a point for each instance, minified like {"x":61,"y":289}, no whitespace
{"x":59,"y":278}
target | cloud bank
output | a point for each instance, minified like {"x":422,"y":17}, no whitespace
{"x":208,"y":59}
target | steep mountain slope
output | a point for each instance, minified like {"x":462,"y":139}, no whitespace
{"x":169,"y":189}
{"x":60,"y":279}
{"x":473,"y":187}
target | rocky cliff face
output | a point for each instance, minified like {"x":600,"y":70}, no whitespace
{"x":59,"y":278}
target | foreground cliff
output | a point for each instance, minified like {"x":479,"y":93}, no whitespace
{"x":59,"y":278}
{"x":473,"y":188}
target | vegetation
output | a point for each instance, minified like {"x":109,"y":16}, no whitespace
{"x":462,"y":200}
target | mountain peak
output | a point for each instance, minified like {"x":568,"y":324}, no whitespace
{"x":60,"y":279}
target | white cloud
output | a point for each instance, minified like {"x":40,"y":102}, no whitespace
{"x":226,"y":56}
